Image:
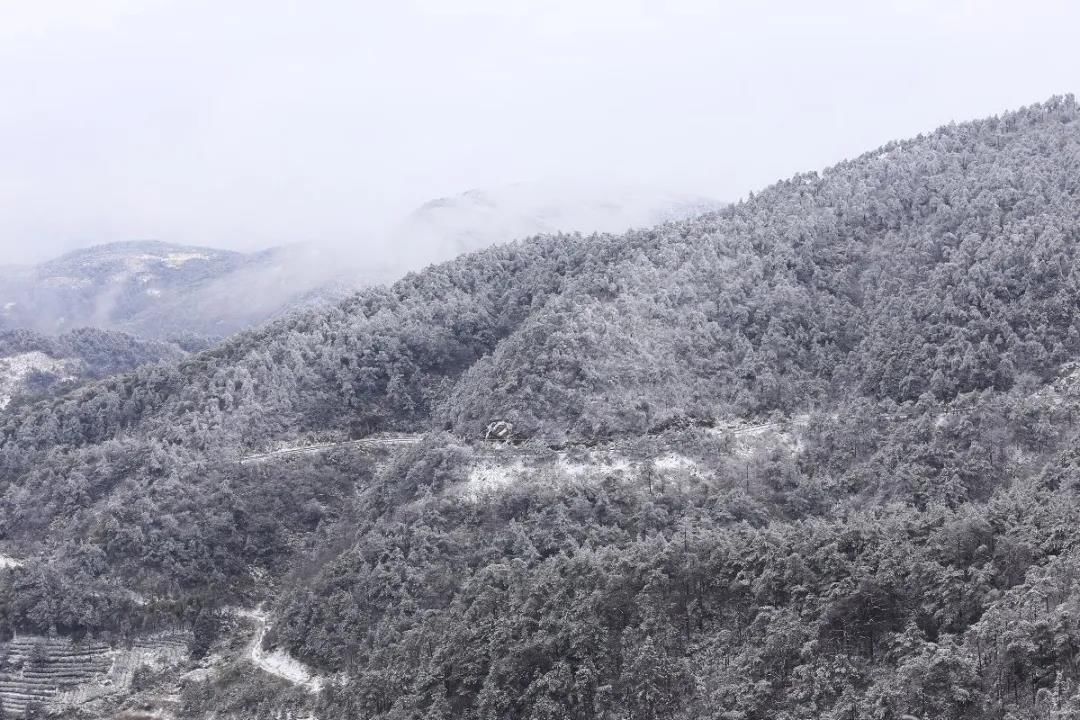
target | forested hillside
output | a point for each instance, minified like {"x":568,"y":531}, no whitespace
{"x":900,"y":329}
{"x":32,"y":364}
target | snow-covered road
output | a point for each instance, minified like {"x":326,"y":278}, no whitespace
{"x":277,"y":663}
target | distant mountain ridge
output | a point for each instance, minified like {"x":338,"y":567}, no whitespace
{"x":163,"y":291}
{"x":166,"y":291}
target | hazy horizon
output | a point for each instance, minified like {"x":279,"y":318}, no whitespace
{"x":274,"y":123}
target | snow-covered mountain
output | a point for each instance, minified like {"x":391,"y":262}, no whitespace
{"x":106,"y":285}
{"x":160,"y":290}
{"x":263,"y":286}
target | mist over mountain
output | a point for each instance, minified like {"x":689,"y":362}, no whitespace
{"x":809,"y":455}
{"x":163,"y":291}
{"x":444,"y":228}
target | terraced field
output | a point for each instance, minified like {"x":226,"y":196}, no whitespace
{"x":37,"y":669}
{"x":54,"y":672}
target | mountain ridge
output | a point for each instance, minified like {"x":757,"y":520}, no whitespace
{"x":166,"y":291}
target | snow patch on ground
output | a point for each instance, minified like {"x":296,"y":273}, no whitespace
{"x":491,"y":477}
{"x":61,"y":281}
{"x":747,"y":439}
{"x":175,"y":260}
{"x":280,"y":663}
{"x":142,"y":266}
{"x":595,"y":464}
{"x":742,"y":439}
{"x":14,"y":370}
{"x":8,"y":306}
{"x":674,"y":462}
{"x":6,"y":561}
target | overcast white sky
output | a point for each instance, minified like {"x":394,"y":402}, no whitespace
{"x":245,"y":124}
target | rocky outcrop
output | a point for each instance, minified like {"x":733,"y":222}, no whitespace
{"x":499,"y":430}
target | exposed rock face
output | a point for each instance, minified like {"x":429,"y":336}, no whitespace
{"x":499,"y":430}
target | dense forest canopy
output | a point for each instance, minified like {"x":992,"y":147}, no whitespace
{"x":33,"y":365}
{"x":910,"y":316}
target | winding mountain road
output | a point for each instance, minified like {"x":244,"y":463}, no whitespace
{"x":277,"y":663}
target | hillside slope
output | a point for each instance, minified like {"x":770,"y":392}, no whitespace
{"x":32,"y":364}
{"x":897,"y":540}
